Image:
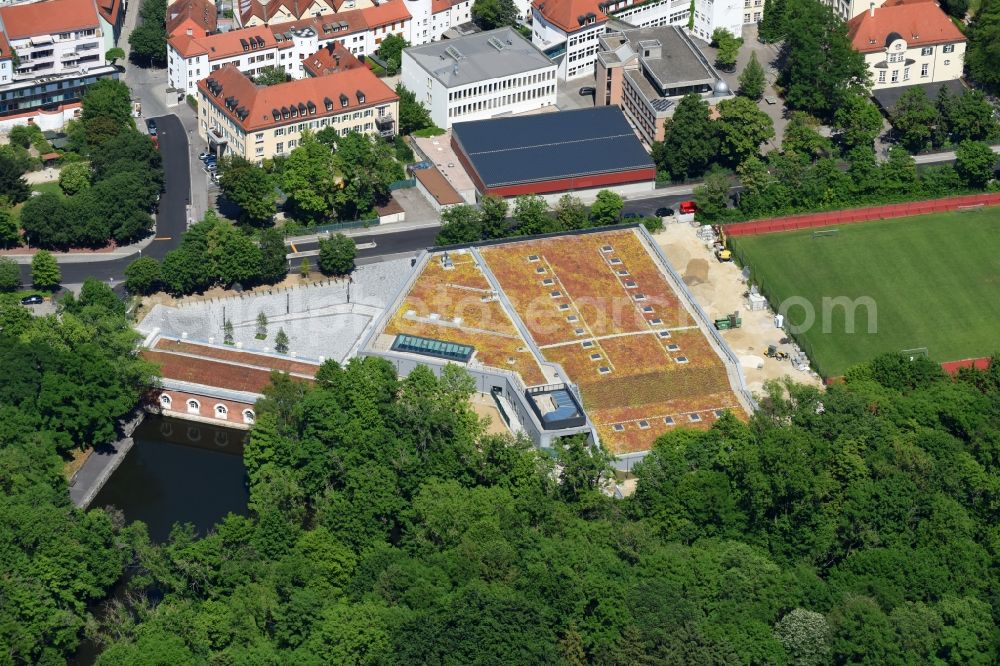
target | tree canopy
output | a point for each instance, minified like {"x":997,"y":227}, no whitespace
{"x":848,"y":525}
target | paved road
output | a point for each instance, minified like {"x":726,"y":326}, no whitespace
{"x":171,"y":221}
{"x":400,"y":242}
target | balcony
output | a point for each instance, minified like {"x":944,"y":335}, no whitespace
{"x":385,"y":126}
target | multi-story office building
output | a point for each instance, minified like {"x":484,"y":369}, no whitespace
{"x":569,"y":30}
{"x":49,"y":53}
{"x":237,"y":117}
{"x":647,"y":70}
{"x":479,"y":76}
{"x":908,"y":43}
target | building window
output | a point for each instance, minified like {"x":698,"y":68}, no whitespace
{"x":259,"y":137}
{"x":193,"y":406}
{"x":221,"y":412}
{"x":927,"y":50}
{"x":165,"y":400}
{"x":949,"y":48}
{"x":881,"y":79}
{"x":924,"y":70}
{"x":895,"y":76}
{"x":248,"y":416}
{"x":947,"y":62}
{"x":906,"y":73}
{"x":279,"y":147}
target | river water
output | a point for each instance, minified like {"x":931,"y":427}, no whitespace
{"x":179,"y":471}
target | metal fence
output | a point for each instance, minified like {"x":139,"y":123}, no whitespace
{"x":296,"y":230}
{"x":403,"y":184}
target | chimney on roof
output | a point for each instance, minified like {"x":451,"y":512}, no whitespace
{"x":871,"y":9}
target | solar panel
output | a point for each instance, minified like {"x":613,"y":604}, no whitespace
{"x":548,"y":146}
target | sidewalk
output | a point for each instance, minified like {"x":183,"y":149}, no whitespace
{"x":101,"y":464}
{"x":391,"y":228}
{"x":25,"y":255}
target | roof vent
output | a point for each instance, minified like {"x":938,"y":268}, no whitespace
{"x":496,"y":43}
{"x":454,"y":53}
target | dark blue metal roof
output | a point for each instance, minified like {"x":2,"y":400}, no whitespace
{"x":551,"y":146}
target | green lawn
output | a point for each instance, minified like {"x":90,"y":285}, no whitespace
{"x":50,"y":188}
{"x":934,"y":281}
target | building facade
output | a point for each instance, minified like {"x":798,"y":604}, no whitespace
{"x":479,"y":76}
{"x":569,"y":30}
{"x":908,"y":43}
{"x":283,"y":45}
{"x":237,"y":117}
{"x":646,"y":71}
{"x":59,"y":49}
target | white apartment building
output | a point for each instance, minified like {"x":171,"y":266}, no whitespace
{"x":430,"y":18}
{"x":568,"y":30}
{"x":283,"y":45}
{"x":59,"y":47}
{"x":908,"y":43}
{"x":479,"y":76}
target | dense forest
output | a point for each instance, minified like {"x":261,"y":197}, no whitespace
{"x":853,"y":525}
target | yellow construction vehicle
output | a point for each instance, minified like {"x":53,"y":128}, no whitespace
{"x":722,"y":254}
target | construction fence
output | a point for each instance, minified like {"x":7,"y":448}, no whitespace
{"x":850,"y":216}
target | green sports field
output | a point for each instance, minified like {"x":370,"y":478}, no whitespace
{"x":934,"y":281}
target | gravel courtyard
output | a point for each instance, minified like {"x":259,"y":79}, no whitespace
{"x":324,"y":320}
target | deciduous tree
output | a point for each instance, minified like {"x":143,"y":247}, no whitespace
{"x":250,"y":187}
{"x":606,"y":209}
{"x":820,"y":66}
{"x":742,"y":129}
{"x":858,"y":121}
{"x":74,"y":178}
{"x":491,"y":14}
{"x":10,"y":274}
{"x":915,"y":119}
{"x":690,"y":141}
{"x":975,"y":163}
{"x":336,"y":255}
{"x":143,"y":276}
{"x":460,"y":224}
{"x":307,"y":179}
{"x":45,"y":273}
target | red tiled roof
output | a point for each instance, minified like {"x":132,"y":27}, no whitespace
{"x":566,"y":14}
{"x":5,"y":50}
{"x":225,"y":44}
{"x":919,"y":23}
{"x":110,"y":10}
{"x":201,"y":12}
{"x":236,"y":356}
{"x":49,"y":17}
{"x":386,"y":13}
{"x":334,"y":57}
{"x":260,"y":102}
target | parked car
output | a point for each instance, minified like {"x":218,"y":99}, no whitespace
{"x":588,"y":90}
{"x":211,"y":168}
{"x":664,"y":212}
{"x":32,"y":300}
{"x":210,"y":159}
{"x":687,"y":207}
{"x":205,"y":156}
{"x":151,"y":127}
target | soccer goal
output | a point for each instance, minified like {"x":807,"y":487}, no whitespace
{"x":825,"y":233}
{"x":914,"y":354}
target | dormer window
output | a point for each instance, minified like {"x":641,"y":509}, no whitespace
{"x":361,"y":97}
{"x":284,"y":112}
{"x":295,"y":111}
{"x":343,"y":100}
{"x":328,"y":103}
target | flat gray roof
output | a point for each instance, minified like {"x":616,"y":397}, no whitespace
{"x":681,"y":62}
{"x":484,"y":55}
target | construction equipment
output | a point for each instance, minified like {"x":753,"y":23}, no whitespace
{"x":722,"y":254}
{"x":729,"y":322}
{"x":772,"y":352}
